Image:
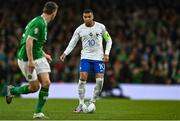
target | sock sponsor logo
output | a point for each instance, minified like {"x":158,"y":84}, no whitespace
{"x":45,"y":97}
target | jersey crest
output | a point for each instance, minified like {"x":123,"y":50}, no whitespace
{"x":36,"y":30}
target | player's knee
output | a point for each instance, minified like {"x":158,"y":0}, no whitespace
{"x":99,"y":76}
{"x":83,"y":77}
{"x":46,"y":83}
{"x":34,"y":88}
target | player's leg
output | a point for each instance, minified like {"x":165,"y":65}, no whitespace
{"x":43,"y":70}
{"x":81,"y":86}
{"x":84,"y":69}
{"x":33,"y":85}
{"x":99,"y":68}
{"x":81,"y":91}
{"x":44,"y":91}
{"x":43,"y":95}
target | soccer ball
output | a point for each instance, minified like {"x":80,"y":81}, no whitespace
{"x":88,"y":107}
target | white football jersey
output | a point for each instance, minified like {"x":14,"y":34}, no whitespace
{"x":92,"y":41}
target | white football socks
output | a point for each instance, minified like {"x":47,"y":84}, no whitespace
{"x":81,"y":91}
{"x":97,"y":89}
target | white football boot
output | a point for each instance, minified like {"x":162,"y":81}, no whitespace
{"x":39,"y":116}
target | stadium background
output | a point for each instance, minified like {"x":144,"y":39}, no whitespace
{"x":145,"y":34}
{"x":144,"y":61}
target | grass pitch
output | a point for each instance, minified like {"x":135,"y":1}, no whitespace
{"x":106,"y":109}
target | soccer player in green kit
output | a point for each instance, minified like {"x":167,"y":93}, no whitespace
{"x":33,"y":61}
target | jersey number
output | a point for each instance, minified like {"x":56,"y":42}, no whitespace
{"x":101,"y":66}
{"x":91,"y":42}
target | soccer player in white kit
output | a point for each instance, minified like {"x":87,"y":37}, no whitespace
{"x":92,"y":34}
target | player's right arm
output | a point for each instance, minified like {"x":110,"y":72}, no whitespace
{"x":29,"y":46}
{"x":32,"y":35}
{"x":71,"y":45}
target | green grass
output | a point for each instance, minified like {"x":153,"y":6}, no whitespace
{"x":107,"y":109}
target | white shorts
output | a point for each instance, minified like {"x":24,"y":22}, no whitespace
{"x":41,"y":66}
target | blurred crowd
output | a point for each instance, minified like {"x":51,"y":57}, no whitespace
{"x":145,"y":34}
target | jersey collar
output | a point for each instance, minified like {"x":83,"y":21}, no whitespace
{"x":44,"y":20}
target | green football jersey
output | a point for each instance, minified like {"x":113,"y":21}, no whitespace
{"x":36,"y":29}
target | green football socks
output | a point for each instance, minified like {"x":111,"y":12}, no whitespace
{"x":43,"y":94}
{"x":20,"y":90}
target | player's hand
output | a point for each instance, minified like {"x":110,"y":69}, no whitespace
{"x":62,"y":57}
{"x":48,"y":57}
{"x":31,"y":66}
{"x":106,"y":58}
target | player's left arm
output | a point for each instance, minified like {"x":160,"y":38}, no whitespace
{"x":108,"y":40}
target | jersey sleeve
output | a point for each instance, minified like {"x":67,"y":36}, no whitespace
{"x":72,"y":42}
{"x":108,"y":40}
{"x":105,"y":34}
{"x":34,"y":30}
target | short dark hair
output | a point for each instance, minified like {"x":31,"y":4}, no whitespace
{"x":87,"y":10}
{"x":50,"y":7}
